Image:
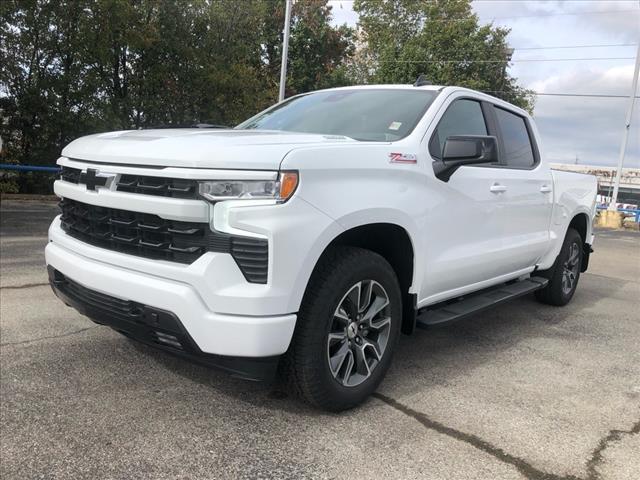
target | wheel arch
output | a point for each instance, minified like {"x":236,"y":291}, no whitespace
{"x":579,"y":219}
{"x":580,"y":223}
{"x":394,"y":243}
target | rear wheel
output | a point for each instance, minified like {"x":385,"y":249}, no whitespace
{"x":347,"y":329}
{"x":564,"y":275}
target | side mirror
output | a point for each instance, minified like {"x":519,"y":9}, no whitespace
{"x":460,"y":150}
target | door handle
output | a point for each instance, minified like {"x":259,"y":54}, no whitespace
{"x":545,"y":189}
{"x":497,"y":188}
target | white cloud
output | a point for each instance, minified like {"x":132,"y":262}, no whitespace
{"x":342,"y":12}
{"x":622,"y":26}
{"x":588,"y":80}
{"x":590,"y":128}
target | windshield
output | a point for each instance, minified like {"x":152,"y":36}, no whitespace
{"x":362,"y":114}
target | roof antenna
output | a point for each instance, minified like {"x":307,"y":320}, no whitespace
{"x":422,"y":81}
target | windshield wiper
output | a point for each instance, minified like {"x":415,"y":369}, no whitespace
{"x":197,"y":125}
{"x":209,"y":125}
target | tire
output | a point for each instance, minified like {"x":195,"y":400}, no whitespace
{"x":566,"y":269}
{"x":316,"y":366}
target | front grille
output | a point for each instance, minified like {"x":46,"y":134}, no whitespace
{"x":144,"y":184}
{"x":151,"y":236}
{"x":69,"y":174}
{"x":159,"y":186}
{"x":134,"y":233}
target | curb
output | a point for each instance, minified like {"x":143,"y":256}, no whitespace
{"x":28,"y":197}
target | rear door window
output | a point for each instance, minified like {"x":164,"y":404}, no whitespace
{"x":518,"y":151}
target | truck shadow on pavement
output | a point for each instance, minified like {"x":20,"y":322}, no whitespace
{"x":438,"y":354}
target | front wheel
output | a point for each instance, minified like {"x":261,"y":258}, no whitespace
{"x":347,"y":329}
{"x":565,"y":273}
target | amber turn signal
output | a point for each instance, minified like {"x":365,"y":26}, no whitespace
{"x":288,"y":185}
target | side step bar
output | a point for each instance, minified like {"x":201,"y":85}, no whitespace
{"x":457,"y":309}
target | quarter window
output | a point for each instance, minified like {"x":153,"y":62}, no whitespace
{"x":518,"y":151}
{"x":463,"y":117}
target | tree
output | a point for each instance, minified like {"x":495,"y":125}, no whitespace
{"x":317,"y":50}
{"x":441,"y":39}
{"x":45,"y":100}
{"x":73,"y":67}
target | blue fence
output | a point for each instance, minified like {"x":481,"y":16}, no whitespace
{"x":29,"y":168}
{"x":635,"y":213}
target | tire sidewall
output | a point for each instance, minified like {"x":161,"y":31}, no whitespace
{"x":571,"y":238}
{"x":381,"y":272}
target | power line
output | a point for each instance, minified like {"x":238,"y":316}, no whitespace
{"x":515,"y":17}
{"x":577,"y":46}
{"x":561,"y":14}
{"x":588,"y":95}
{"x":537,"y":15}
{"x":524,"y":60}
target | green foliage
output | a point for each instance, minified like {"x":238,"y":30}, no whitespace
{"x":74,"y":67}
{"x":8,"y":184}
{"x":441,"y":39}
{"x":317,"y":50}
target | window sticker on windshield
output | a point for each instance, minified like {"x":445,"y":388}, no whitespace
{"x":395,"y":125}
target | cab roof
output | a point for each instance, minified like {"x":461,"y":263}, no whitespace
{"x":447,"y":89}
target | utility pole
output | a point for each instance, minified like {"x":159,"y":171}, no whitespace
{"x":285,"y":49}
{"x":625,"y":136}
{"x":508,"y":53}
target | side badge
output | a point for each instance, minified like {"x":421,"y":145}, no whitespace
{"x":403,"y":158}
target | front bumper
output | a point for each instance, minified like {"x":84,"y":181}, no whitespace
{"x":211,"y":332}
{"x":154,"y":327}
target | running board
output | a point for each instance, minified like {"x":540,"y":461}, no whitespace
{"x":450,"y":311}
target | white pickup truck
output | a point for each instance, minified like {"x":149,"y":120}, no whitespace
{"x":306,"y":239}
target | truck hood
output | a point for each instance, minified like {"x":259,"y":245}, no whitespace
{"x":224,"y":149}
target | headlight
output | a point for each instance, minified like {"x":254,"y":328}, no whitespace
{"x":279,"y":190}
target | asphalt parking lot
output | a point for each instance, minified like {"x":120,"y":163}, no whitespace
{"x":522,"y":391}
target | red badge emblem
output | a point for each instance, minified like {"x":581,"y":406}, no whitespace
{"x":403,"y":158}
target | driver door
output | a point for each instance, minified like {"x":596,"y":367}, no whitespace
{"x":465,"y":236}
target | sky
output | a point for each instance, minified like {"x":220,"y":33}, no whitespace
{"x":587,"y":128}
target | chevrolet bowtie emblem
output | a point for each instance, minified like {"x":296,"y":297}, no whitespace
{"x":92,"y":180}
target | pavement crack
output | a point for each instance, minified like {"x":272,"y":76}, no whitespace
{"x":597,"y":457}
{"x":68,"y":334}
{"x":26,"y":285}
{"x":609,"y":277}
{"x":524,"y":467}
